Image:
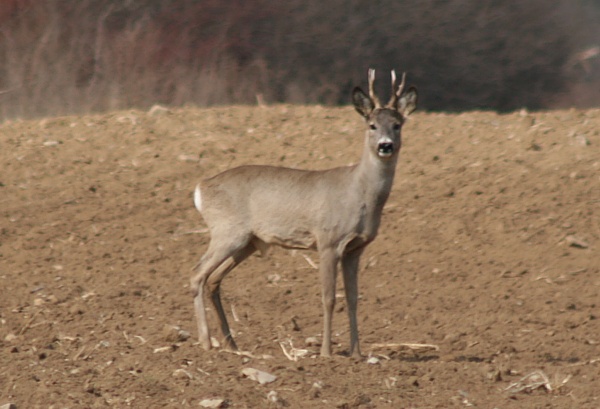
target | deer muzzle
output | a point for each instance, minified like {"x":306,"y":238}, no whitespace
{"x":385,"y":149}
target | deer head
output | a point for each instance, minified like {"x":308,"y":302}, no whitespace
{"x":385,"y":123}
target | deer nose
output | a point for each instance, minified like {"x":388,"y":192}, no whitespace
{"x":385,"y":149}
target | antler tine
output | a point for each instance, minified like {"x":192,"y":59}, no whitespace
{"x":394,"y":97}
{"x":401,"y":86}
{"x":372,"y":90}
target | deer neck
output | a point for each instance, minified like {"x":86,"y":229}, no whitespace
{"x":375,"y":177}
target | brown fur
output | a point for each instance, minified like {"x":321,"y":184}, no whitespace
{"x":335,"y":211}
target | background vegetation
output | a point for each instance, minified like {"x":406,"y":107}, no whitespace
{"x":64,"y":56}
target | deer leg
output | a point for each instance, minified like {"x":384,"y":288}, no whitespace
{"x":214,"y":286}
{"x":328,"y":269}
{"x":350,"y":263}
{"x":214,"y":257}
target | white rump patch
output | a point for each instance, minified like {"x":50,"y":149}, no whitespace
{"x":198,"y":198}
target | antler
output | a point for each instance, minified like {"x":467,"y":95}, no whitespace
{"x":396,"y":94}
{"x":372,"y":90}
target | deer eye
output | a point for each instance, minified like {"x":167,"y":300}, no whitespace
{"x":396,"y":127}
{"x":372,"y":126}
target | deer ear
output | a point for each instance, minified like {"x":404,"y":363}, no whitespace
{"x":362,"y":103}
{"x":408,"y":102}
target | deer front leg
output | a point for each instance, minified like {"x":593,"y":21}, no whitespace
{"x":328,"y":269}
{"x":350,"y":263}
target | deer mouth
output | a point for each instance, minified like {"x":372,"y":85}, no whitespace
{"x":385,"y":149}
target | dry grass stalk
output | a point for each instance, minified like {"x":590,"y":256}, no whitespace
{"x":181,"y":232}
{"x":293,"y":354}
{"x":535,"y":380}
{"x":310,"y":262}
{"x":28,"y":323}
{"x":247,"y":354}
{"x":398,"y":347}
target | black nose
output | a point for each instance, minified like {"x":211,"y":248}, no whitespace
{"x":386,"y":148}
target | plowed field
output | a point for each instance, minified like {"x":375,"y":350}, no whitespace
{"x":489,"y":251}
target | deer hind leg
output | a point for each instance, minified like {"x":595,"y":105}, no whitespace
{"x":214,"y":286}
{"x":350,"y":263}
{"x":212,"y":260}
{"x":328,"y":269}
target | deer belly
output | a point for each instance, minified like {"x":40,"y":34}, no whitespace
{"x":293,"y":239}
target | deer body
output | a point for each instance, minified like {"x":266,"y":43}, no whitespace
{"x":335,"y":211}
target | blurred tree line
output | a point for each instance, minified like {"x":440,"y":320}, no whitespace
{"x":65,"y":56}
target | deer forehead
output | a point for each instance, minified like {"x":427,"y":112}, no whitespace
{"x":385,"y":116}
{"x":384,"y":122}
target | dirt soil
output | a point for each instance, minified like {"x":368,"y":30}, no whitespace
{"x":488,"y":251}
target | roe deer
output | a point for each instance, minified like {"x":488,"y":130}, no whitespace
{"x":335,"y":211}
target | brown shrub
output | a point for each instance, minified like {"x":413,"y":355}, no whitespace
{"x":60,"y":56}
